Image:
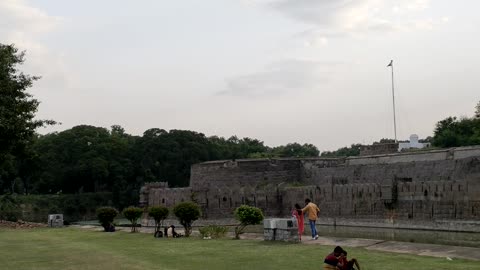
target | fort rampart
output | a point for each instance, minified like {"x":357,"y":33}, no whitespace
{"x":428,"y":190}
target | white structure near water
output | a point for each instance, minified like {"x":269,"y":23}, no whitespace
{"x":413,"y":143}
{"x":280,"y":229}
{"x":55,"y":220}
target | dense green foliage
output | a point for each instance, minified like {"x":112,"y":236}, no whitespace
{"x":213,"y":231}
{"x":94,"y":159}
{"x":159,"y":214}
{"x":353,"y":150}
{"x":247,"y":215}
{"x":87,"y":159}
{"x":187,"y":213}
{"x":453,"y":132}
{"x":74,"y":207}
{"x":17,"y":123}
{"x":295,"y":150}
{"x":133,"y":214}
{"x":106,"y":215}
{"x":9,"y":209}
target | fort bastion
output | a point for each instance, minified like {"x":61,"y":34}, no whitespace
{"x":438,"y":189}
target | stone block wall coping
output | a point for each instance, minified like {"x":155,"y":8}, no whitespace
{"x":458,"y":152}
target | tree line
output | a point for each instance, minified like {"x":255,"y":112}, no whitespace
{"x":95,"y":159}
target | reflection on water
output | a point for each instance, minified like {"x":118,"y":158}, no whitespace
{"x":402,"y":235}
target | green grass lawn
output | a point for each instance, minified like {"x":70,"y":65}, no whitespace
{"x":71,"y":248}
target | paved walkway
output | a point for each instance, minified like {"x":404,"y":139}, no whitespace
{"x":447,"y":252}
{"x":443,"y":251}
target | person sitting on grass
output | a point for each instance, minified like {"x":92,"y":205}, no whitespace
{"x":110,"y":228}
{"x":348,"y":264}
{"x":171,"y":231}
{"x":332,"y":261}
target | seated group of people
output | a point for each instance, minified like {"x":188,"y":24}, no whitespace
{"x":337,"y":260}
{"x":168,"y":231}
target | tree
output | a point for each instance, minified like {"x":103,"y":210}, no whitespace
{"x":88,"y":159}
{"x":133,"y":214}
{"x":187,"y":213}
{"x":453,"y":132}
{"x":17,"y":112}
{"x":296,"y":150}
{"x":353,"y":150}
{"x":385,"y":140}
{"x":428,"y":139}
{"x":9,"y":209}
{"x":105,"y":216}
{"x":247,"y":215}
{"x":168,"y":156}
{"x":159,"y":214}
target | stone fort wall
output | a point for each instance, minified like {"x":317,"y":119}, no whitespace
{"x":431,"y":190}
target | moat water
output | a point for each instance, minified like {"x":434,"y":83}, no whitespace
{"x":402,"y":235}
{"x":466,"y":239}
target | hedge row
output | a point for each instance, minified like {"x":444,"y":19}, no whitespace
{"x":35,"y":208}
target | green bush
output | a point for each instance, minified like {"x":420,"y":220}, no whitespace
{"x":9,"y":209}
{"x":213,"y":231}
{"x":247,"y":215}
{"x":133,"y":214}
{"x":106,"y":215}
{"x":187,"y":213}
{"x":159,"y":214}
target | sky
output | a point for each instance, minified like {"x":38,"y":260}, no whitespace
{"x":281,"y":71}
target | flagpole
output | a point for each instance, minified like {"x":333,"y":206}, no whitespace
{"x":393,"y":97}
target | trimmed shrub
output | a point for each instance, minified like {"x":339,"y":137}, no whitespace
{"x":187,"y":213}
{"x":105,"y":216}
{"x":132,"y":214}
{"x":159,"y":214}
{"x":247,"y":215}
{"x":213,"y":231}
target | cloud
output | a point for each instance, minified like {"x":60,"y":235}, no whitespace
{"x":19,"y":17}
{"x":280,"y":78}
{"x":334,"y":18}
{"x":25,"y":26}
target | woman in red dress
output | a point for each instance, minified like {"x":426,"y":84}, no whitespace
{"x":298,"y":214}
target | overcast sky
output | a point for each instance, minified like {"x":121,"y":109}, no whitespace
{"x":307,"y":71}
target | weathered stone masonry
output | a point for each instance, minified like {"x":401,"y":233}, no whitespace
{"x":431,"y":190}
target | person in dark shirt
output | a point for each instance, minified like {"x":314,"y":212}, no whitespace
{"x":332,"y":261}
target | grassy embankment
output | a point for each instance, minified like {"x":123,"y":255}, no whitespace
{"x":71,"y":248}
